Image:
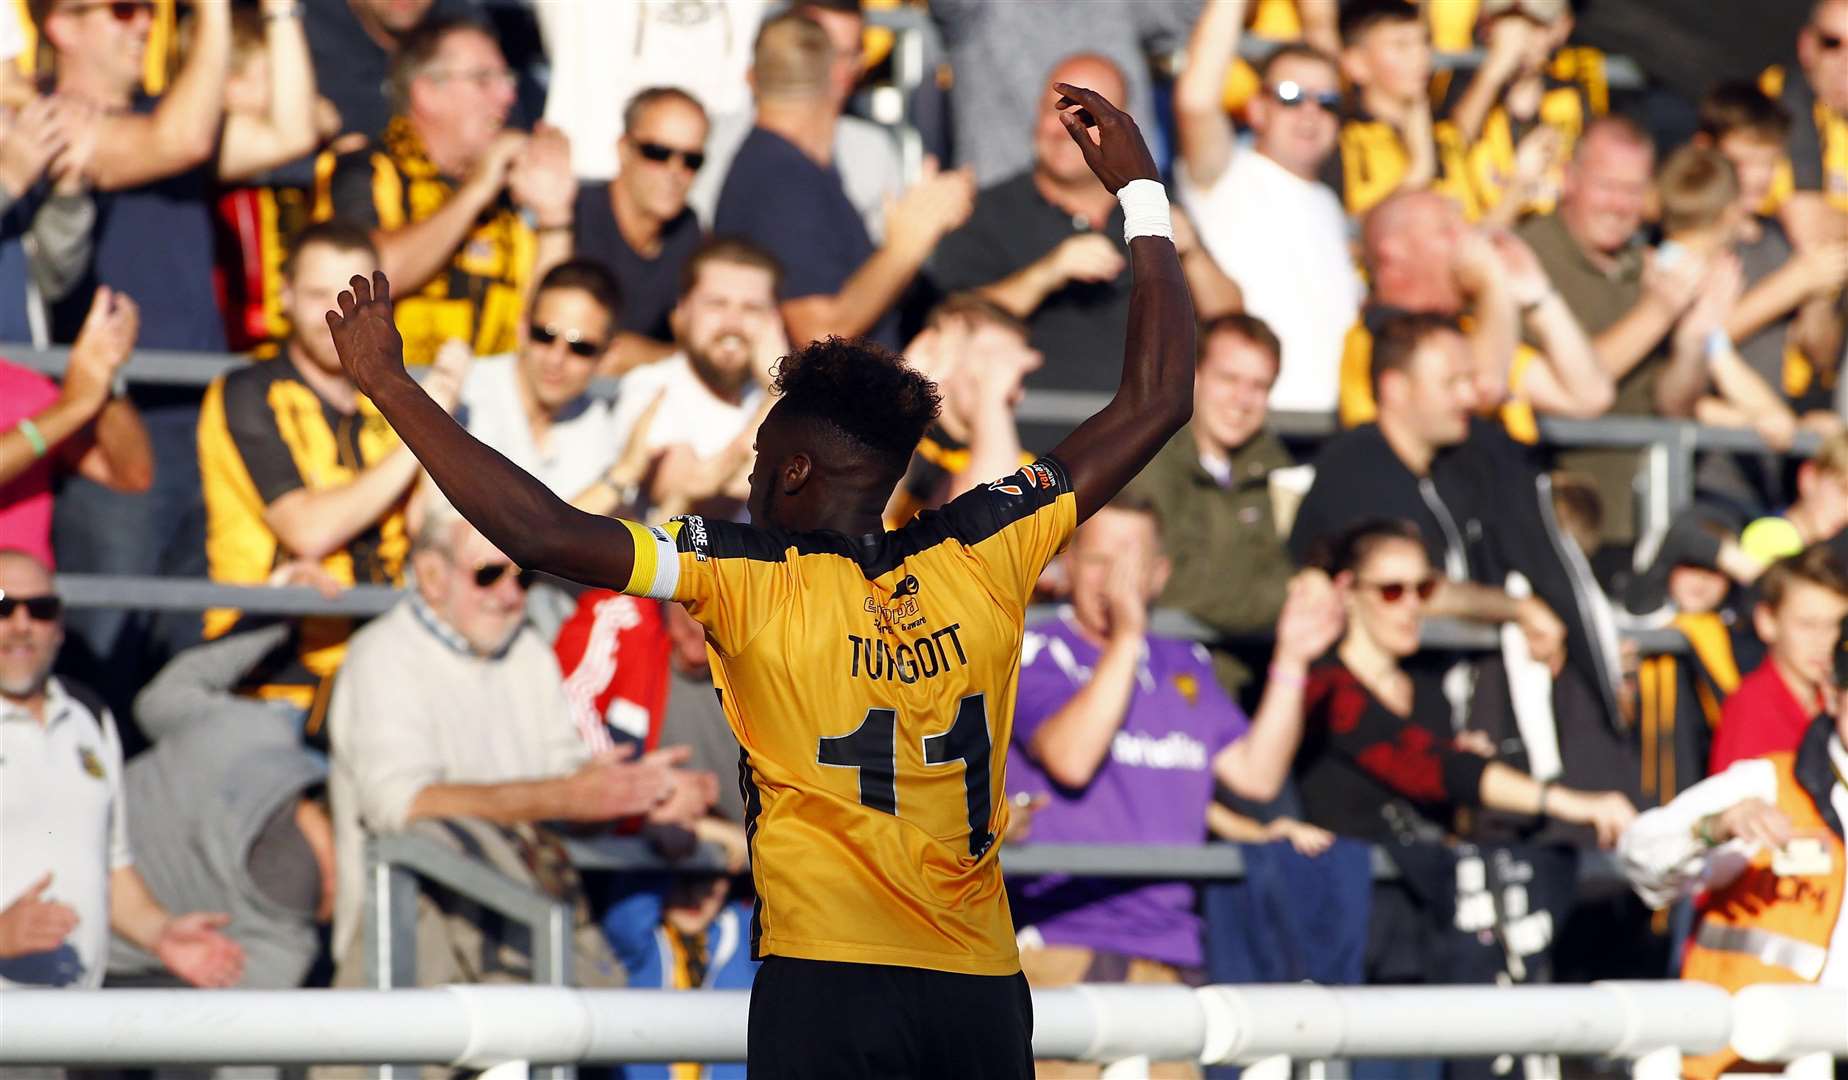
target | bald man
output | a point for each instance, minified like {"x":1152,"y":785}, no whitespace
{"x":1046,"y":245}
{"x":784,"y":193}
{"x":69,"y":876}
{"x":1423,"y":257}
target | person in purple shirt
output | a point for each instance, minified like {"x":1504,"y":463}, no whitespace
{"x":1119,"y":738}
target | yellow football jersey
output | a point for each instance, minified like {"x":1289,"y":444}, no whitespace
{"x":870,"y":683}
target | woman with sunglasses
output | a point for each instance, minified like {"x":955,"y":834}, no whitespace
{"x":1380,"y":760}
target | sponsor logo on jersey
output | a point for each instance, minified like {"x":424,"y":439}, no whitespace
{"x":697,"y":539}
{"x":902,"y":613}
{"x":1175,"y":750}
{"x":1036,"y":475}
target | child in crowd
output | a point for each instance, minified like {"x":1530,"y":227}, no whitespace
{"x":1704,"y":219}
{"x":1390,"y":139}
{"x":1789,"y":323}
{"x":1802,"y":602}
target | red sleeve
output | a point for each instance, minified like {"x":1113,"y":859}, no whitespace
{"x":613,"y":652}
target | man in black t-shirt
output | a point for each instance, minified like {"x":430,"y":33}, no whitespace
{"x":785,"y":195}
{"x":638,"y":225}
{"x":1047,"y":246}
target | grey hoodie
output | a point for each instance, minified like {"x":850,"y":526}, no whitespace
{"x":220,"y":768}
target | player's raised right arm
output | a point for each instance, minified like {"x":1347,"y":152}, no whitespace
{"x":520,"y":515}
{"x":1155,"y":397}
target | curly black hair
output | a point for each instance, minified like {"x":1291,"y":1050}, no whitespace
{"x":864,"y":392}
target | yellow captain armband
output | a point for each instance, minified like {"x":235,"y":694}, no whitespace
{"x":657,"y":564}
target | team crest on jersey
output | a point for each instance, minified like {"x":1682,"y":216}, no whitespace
{"x":90,"y":762}
{"x":1189,"y":688}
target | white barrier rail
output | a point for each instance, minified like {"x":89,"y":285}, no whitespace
{"x":484,"y":1026}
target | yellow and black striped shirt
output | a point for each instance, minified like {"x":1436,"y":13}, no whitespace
{"x":871,"y":685}
{"x":1817,"y":150}
{"x":264,"y":433}
{"x":1371,"y":159}
{"x":477,"y":297}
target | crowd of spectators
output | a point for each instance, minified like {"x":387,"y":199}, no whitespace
{"x":604,"y":222}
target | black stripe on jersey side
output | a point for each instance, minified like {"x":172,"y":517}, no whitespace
{"x":970,"y":518}
{"x":753,"y":806}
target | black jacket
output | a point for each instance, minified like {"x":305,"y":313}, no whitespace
{"x":1501,"y":505}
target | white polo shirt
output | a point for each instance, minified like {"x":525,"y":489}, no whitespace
{"x":580,"y":446}
{"x":61,"y":810}
{"x":1285,"y":241}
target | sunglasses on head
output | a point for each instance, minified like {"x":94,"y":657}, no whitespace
{"x":575,"y":341}
{"x":120,"y":10}
{"x":39,"y":608}
{"x":1394,"y":591}
{"x":1291,"y":94}
{"x":486,"y":577}
{"x":660,"y":155}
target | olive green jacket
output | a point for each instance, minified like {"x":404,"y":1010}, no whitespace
{"x":1230,"y":567}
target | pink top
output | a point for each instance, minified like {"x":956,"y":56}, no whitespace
{"x":25,"y":501}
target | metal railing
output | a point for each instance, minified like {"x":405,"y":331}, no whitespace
{"x":1669,"y":446}
{"x":1649,"y":1024}
{"x":399,"y":865}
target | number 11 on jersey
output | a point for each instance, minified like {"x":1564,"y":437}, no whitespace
{"x":872,"y":748}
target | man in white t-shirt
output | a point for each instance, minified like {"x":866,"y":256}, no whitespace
{"x":710,"y":391}
{"x":534,"y":406}
{"x":1260,"y":210}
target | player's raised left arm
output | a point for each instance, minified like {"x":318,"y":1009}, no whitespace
{"x":1155,"y":396}
{"x":520,"y":515}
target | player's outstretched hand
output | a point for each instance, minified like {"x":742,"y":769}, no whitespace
{"x":364,"y":335}
{"x":1118,"y":153}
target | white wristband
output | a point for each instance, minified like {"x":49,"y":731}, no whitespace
{"x":1717,"y":344}
{"x":1145,"y":210}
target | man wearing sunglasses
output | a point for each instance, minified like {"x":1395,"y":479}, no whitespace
{"x":450,"y":706}
{"x":1813,"y":186}
{"x":638,"y":225}
{"x":533,"y":405}
{"x":152,"y":168}
{"x":69,"y":877}
{"x":1263,"y":212}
